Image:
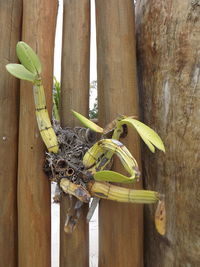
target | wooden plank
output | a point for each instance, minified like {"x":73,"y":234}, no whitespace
{"x":168,"y":34}
{"x":120,"y":225}
{"x":34,"y":204}
{"x":74,"y":248}
{"x":10,"y":15}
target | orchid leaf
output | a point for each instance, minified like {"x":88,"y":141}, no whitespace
{"x":87,"y":123}
{"x":28,"y":58}
{"x":149,"y":136}
{"x":111,"y":176}
{"x":20,"y":72}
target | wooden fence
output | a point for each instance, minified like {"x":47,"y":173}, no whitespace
{"x":168,"y":35}
{"x":74,"y":249}
{"x":9,"y":110}
{"x":24,"y":189}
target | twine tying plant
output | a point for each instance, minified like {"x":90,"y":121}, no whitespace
{"x":79,"y":160}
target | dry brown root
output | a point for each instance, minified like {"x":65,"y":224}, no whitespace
{"x":73,"y":215}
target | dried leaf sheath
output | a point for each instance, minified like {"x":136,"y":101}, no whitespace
{"x":43,"y":120}
{"x":76,"y":190}
{"x":160,"y":217}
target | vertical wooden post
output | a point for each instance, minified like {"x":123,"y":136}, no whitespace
{"x":120,"y":225}
{"x":34,"y":205}
{"x":168,"y":37}
{"x":10,"y":31}
{"x":74,"y":248}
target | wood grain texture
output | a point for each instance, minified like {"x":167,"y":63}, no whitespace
{"x":120,"y":224}
{"x":168,"y":35}
{"x":34,"y":204}
{"x":74,"y":248}
{"x":10,"y":31}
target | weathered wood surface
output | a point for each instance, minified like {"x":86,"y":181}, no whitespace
{"x":34,"y":205}
{"x":10,"y":31}
{"x":168,"y":35}
{"x":74,"y":248}
{"x":120,"y":225}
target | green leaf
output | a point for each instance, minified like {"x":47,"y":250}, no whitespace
{"x":20,"y":72}
{"x":149,"y":136}
{"x":87,"y":123}
{"x":111,"y":176}
{"x":28,"y":58}
{"x":149,"y":144}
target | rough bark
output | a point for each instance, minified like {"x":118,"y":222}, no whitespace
{"x":10,"y":31}
{"x":168,"y":36}
{"x":120,"y":225}
{"x":74,"y":248}
{"x":34,"y":205}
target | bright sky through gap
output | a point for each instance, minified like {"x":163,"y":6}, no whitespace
{"x":58,"y":42}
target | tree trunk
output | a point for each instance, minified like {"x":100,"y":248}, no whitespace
{"x":120,"y":224}
{"x":74,"y":248}
{"x":10,"y":32}
{"x":168,"y":35}
{"x":34,"y":202}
